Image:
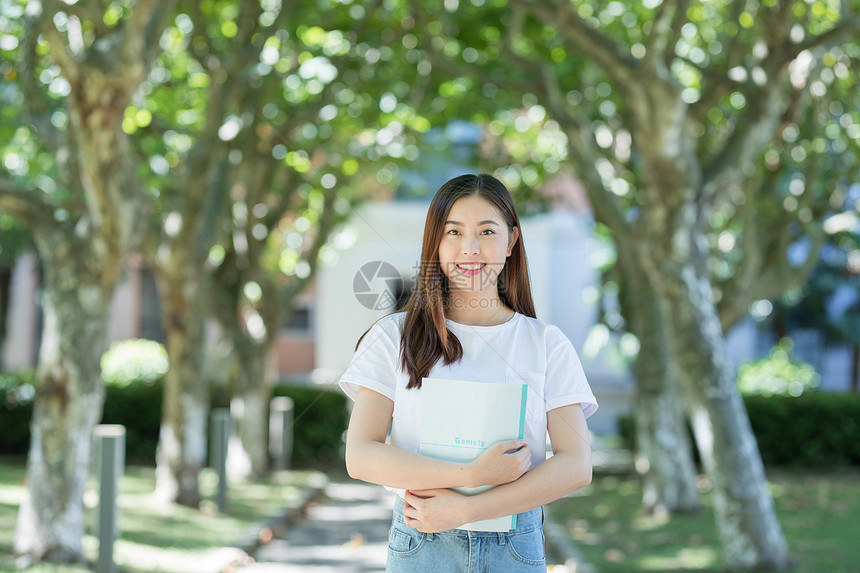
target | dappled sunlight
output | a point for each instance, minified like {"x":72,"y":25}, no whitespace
{"x":160,"y":536}
{"x":651,"y":521}
{"x":12,"y":496}
{"x":689,"y":558}
{"x":616,"y":535}
{"x":130,"y":555}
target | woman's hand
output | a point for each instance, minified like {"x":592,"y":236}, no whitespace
{"x":435,"y":510}
{"x":495,"y":467}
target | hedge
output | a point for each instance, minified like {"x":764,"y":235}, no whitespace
{"x":815,"y":429}
{"x":320,"y":418}
{"x":137,"y":406}
{"x":16,"y":409}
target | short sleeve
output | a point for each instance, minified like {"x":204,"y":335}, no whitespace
{"x":565,"y":379}
{"x":376,"y":361}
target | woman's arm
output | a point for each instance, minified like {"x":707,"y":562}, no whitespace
{"x":370,"y":459}
{"x":567,"y":470}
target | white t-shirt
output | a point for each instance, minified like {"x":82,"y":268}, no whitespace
{"x":520,"y":350}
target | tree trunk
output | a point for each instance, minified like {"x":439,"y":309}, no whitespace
{"x":250,"y":408}
{"x":68,"y":405}
{"x":663,"y":449}
{"x":664,"y":454}
{"x":182,"y":441}
{"x":751,"y":536}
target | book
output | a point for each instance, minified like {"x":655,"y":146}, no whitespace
{"x":460,"y":419}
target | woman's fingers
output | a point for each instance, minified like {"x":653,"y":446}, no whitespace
{"x":502,"y":462}
{"x":511,"y":446}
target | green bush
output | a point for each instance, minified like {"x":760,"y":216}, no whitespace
{"x":779,"y":374}
{"x":320,"y":416}
{"x":16,"y":408}
{"x":137,"y":406}
{"x":320,"y":419}
{"x":133,"y":372}
{"x":815,"y":429}
{"x":133,"y":361}
{"x":319,"y":423}
{"x":627,"y":431}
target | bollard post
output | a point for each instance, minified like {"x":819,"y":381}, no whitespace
{"x":281,"y":431}
{"x":220,"y":440}
{"x":110,"y":460}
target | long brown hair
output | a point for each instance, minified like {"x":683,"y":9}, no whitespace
{"x":425,"y":337}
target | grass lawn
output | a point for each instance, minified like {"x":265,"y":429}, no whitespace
{"x":163,"y":537}
{"x":818,"y":512}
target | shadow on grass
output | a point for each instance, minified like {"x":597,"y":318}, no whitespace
{"x":817,"y":512}
{"x":156,"y":535}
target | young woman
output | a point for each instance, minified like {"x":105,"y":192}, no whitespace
{"x":470,"y":317}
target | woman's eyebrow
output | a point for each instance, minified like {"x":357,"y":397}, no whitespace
{"x":484,"y":222}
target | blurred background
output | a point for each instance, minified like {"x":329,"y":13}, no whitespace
{"x":205,"y":204}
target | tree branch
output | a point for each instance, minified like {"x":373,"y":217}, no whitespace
{"x":753,"y":129}
{"x":609,"y":54}
{"x":777,"y":22}
{"x":844,"y":30}
{"x":143,"y":29}
{"x":326,"y":223}
{"x":26,"y":205}
{"x":604,"y":205}
{"x":36,"y":110}
{"x":58,"y":45}
{"x":92,"y":12}
{"x":664,"y":29}
{"x":775,"y":274}
{"x":721,"y":84}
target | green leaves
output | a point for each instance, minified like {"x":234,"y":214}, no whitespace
{"x":778,"y":374}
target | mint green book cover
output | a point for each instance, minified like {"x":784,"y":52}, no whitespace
{"x":462,"y":418}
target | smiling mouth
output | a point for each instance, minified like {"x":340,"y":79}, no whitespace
{"x":470,"y":268}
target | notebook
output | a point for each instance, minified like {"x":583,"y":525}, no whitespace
{"x":461,"y":418}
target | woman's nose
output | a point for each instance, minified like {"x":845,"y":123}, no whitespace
{"x":471,"y":245}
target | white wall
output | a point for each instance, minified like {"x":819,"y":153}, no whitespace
{"x":124,"y":322}
{"x":19,"y":347}
{"x":380,"y":231}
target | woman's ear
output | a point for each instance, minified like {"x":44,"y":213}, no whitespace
{"x":512,"y":240}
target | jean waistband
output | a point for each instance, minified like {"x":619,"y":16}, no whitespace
{"x":526,"y":521}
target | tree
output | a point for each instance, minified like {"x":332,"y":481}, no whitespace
{"x":673,"y":114}
{"x":304,"y":166}
{"x":72,"y":184}
{"x":199,"y":101}
{"x":244,"y":120}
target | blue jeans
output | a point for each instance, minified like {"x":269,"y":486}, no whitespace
{"x":461,"y":551}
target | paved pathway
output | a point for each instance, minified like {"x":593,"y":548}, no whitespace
{"x":347,"y":532}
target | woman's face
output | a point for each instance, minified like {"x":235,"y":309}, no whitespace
{"x":475,"y":244}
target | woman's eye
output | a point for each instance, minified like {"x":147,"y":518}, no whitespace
{"x":488,"y":232}
{"x":453,"y":232}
